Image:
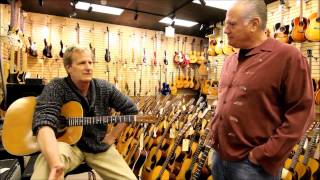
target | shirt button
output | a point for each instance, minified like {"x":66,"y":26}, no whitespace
{"x":230,"y":86}
{"x":234,"y":119}
{"x":224,"y":102}
{"x":260,"y":60}
{"x":231,"y":134}
{"x":243,"y":88}
{"x":239,"y":103}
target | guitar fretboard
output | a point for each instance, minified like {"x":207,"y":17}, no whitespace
{"x":81,"y":121}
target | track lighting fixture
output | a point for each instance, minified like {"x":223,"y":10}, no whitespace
{"x":41,"y":2}
{"x":136,"y":16}
{"x":90,"y":9}
{"x":203,"y":3}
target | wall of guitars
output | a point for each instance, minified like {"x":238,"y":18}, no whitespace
{"x":139,"y":60}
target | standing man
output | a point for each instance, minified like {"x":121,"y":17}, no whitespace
{"x":96,"y":145}
{"x":265,"y":101}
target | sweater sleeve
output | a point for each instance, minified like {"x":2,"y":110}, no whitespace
{"x":120,"y":102}
{"x":298,"y":114}
{"x":48,"y":107}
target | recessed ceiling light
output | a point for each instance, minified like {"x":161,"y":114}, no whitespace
{"x":178,"y":22}
{"x":99,"y":8}
{"x":221,"y":4}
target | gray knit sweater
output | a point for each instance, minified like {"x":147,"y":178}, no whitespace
{"x":101,"y":97}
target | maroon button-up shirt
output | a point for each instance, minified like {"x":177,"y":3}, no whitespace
{"x":265,"y":104}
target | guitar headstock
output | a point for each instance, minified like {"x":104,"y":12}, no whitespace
{"x":146,"y":119}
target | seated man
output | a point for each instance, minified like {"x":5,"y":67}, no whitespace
{"x":95,"y":146}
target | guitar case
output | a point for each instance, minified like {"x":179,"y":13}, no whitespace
{"x":10,"y":169}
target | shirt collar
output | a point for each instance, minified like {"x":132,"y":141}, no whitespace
{"x":267,"y":45}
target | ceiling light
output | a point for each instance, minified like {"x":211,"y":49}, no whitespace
{"x":203,"y":3}
{"x":99,"y":8}
{"x":220,"y":4}
{"x":136,"y":16}
{"x":73,"y":2}
{"x":178,"y":22}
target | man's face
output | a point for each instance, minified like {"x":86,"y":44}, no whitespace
{"x":237,"y":28}
{"x":81,"y":68}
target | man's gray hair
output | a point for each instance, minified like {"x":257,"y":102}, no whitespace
{"x":68,"y":54}
{"x":255,"y":8}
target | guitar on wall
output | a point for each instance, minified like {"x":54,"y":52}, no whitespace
{"x":313,"y":30}
{"x":47,"y":49}
{"x":299,"y":25}
{"x":107,"y":57}
{"x":281,"y":30}
{"x":165,"y":86}
{"x":17,"y":136}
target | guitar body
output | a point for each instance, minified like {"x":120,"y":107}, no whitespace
{"x":155,"y":173}
{"x":281,"y":33}
{"x":17,"y":136}
{"x":218,"y":49}
{"x":165,"y":89}
{"x":227,"y":50}
{"x":141,"y":158}
{"x":13,"y":78}
{"x":184,"y":168}
{"x":313,"y":30}
{"x":173,"y":89}
{"x":298,"y":30}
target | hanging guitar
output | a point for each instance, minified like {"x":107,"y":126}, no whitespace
{"x":17,"y":136}
{"x":165,"y":86}
{"x":47,"y":49}
{"x":107,"y":57}
{"x":299,"y":25}
{"x":313,"y":30}
{"x":61,"y":52}
{"x":281,"y":30}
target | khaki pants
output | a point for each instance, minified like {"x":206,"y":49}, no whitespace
{"x":108,"y":164}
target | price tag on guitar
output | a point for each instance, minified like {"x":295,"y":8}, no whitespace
{"x":172,"y":133}
{"x":155,"y":132}
{"x":165,"y":124}
{"x":141,"y":141}
{"x":185,"y":145}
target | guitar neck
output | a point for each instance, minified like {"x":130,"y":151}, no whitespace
{"x":200,"y":145}
{"x":83,"y":121}
{"x":176,"y":143}
{"x":203,"y":158}
{"x":311,"y":147}
{"x":298,"y":152}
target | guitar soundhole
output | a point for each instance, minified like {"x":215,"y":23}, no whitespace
{"x":318,"y":19}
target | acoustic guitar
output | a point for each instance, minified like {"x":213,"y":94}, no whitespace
{"x":311,"y":164}
{"x":313,"y":30}
{"x":281,"y":30}
{"x":193,"y":56}
{"x":173,"y":86}
{"x":293,"y":168}
{"x":17,"y":136}
{"x":299,"y":25}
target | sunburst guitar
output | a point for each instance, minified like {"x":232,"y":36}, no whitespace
{"x":17,"y":135}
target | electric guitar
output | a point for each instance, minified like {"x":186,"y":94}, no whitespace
{"x":107,"y":57}
{"x":17,"y":136}
{"x":47,"y":49}
{"x":61,"y":52}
